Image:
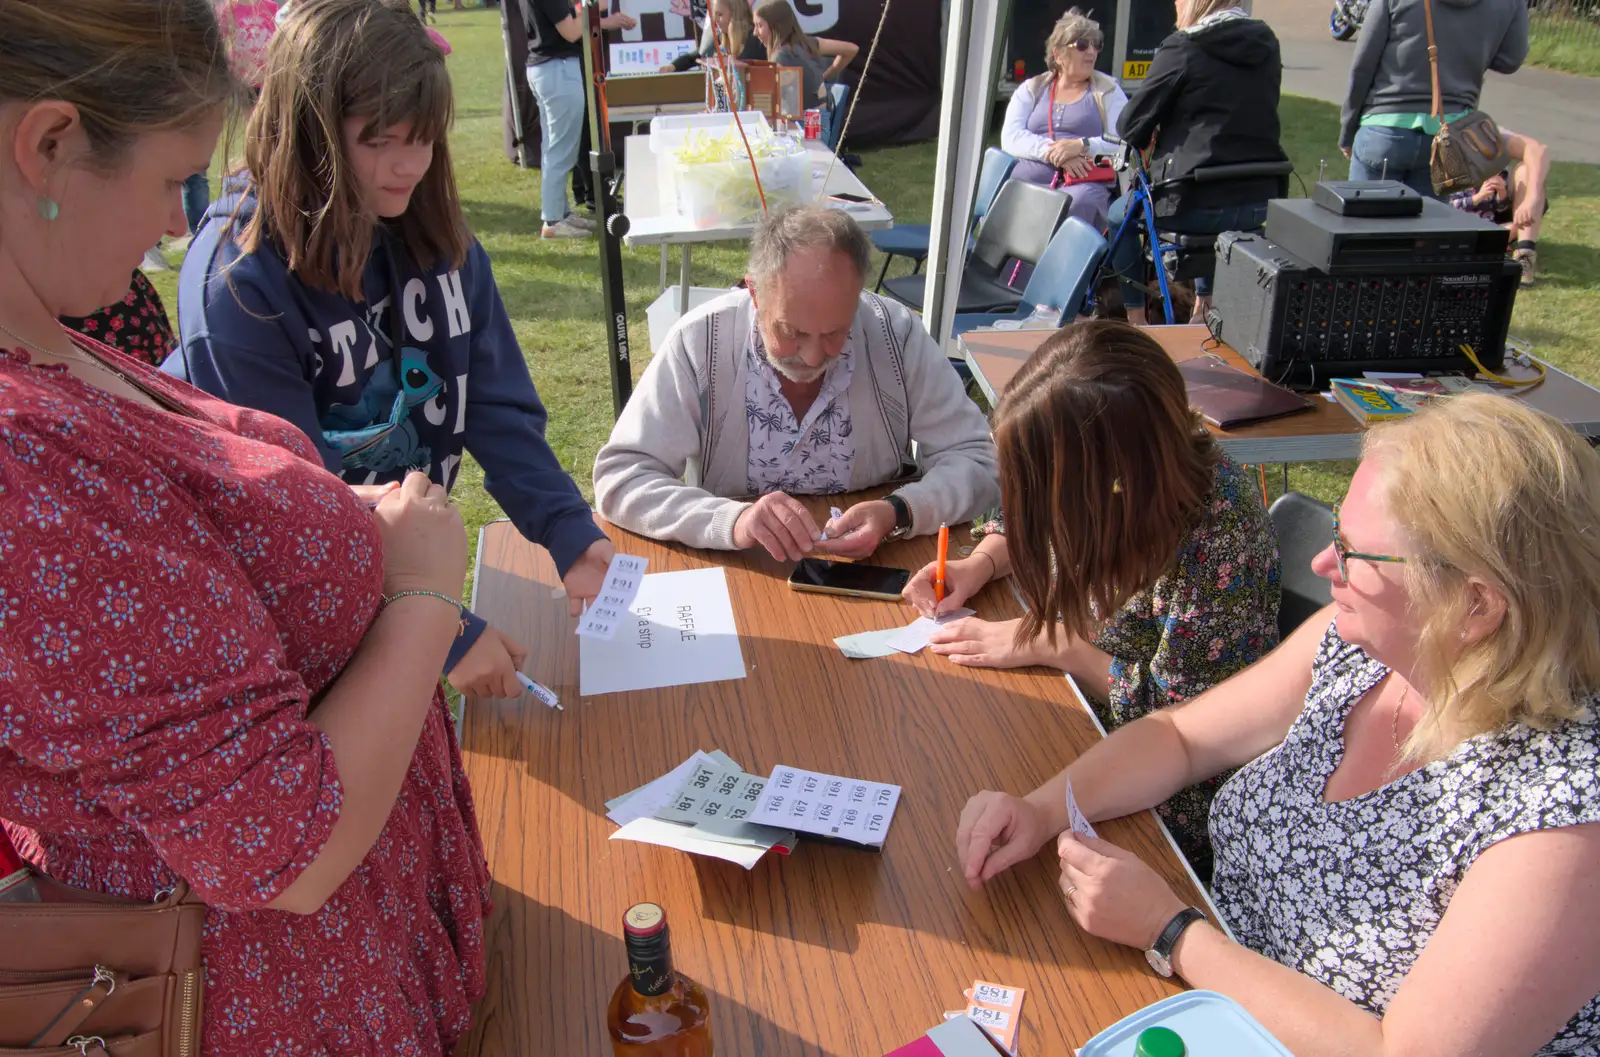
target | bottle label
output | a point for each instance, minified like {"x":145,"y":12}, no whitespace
{"x":651,"y":976}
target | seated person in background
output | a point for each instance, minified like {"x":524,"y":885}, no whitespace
{"x":1515,"y":200}
{"x":1210,"y":99}
{"x":778,"y":28}
{"x":136,"y":326}
{"x":801,"y":383}
{"x":730,"y":18}
{"x":1105,"y":470}
{"x":1058,"y":122}
{"x":1408,"y":853}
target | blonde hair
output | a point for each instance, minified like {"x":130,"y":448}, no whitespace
{"x":741,"y":26}
{"x":1487,"y":488}
{"x":1202,"y":9}
{"x":1074,"y":25}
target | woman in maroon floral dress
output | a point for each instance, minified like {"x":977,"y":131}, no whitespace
{"x":216,"y":662}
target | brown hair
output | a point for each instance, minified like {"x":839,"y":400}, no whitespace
{"x":785,"y":26}
{"x":1104,"y":470}
{"x":1488,"y":488}
{"x":333,"y":59}
{"x":129,"y":66}
{"x":741,"y":27}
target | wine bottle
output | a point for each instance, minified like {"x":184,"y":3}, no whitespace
{"x":656,"y":1011}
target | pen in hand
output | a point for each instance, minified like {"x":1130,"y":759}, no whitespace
{"x":944,"y":554}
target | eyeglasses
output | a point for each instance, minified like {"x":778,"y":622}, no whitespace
{"x":1081,"y":45}
{"x":1342,"y":552}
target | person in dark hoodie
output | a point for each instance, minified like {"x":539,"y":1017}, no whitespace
{"x":1387,"y":127}
{"x":1210,"y":99}
{"x":335,"y":285}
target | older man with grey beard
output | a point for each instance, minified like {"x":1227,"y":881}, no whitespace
{"x":800,"y":384}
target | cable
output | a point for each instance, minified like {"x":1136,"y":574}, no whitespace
{"x":1515,"y":383}
{"x":855,"y":97}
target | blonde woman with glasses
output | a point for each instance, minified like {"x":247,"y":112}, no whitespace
{"x":1409,"y":856}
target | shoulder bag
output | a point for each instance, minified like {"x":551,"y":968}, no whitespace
{"x":1465,"y":152}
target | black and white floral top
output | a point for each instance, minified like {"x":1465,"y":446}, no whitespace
{"x":1349,"y":893}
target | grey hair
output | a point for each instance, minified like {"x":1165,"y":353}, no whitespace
{"x":780,"y":234}
{"x":1074,"y":25}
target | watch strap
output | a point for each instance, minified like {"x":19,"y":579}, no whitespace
{"x":1169,"y":935}
{"x":902,"y":512}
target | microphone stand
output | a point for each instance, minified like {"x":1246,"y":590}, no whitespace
{"x":613,"y":223}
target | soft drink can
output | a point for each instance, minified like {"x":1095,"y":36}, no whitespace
{"x":813,"y":124}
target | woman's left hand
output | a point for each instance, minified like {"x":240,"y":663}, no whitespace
{"x":1077,"y":168}
{"x":588,"y":574}
{"x":1112,"y":894}
{"x":978,"y":643}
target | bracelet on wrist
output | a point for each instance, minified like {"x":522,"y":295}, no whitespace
{"x":460,"y":609}
{"x":994,"y":570}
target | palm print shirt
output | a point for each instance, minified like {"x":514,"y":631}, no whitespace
{"x":812,"y":457}
{"x":1349,"y":893}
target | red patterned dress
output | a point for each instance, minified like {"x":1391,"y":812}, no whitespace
{"x":174,"y":591}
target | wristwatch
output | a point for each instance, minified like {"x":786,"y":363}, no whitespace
{"x":902,"y":517}
{"x":1160,"y":955}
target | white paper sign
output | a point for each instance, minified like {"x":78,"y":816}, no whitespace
{"x":679,"y":630}
{"x":828,"y":805}
{"x":610,"y":607}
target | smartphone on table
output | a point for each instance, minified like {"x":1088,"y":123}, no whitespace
{"x":849,"y":578}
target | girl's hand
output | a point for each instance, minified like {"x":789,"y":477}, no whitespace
{"x":489,"y":668}
{"x":587,"y":575}
{"x":976,"y":643}
{"x":963,"y":578}
{"x":424,"y":541}
{"x":1112,"y":894}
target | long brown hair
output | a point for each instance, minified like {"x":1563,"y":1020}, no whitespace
{"x":129,"y":67}
{"x":1104,"y":469}
{"x":785,"y":26}
{"x":333,"y":59}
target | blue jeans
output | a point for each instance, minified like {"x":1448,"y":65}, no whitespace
{"x":1127,"y":260}
{"x":1402,"y":153}
{"x":196,"y":197}
{"x":558,"y":88}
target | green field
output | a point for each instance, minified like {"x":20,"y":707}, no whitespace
{"x":1568,"y":44}
{"x":552,"y":290}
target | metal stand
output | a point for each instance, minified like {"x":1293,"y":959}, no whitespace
{"x":613,"y":223}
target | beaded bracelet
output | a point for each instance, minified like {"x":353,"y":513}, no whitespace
{"x":428,"y":594}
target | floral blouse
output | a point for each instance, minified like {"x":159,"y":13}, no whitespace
{"x":812,"y":457}
{"x":137,"y":325}
{"x":1212,"y":614}
{"x":1349,"y":893}
{"x":175,"y":591}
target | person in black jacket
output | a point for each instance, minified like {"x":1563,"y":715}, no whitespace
{"x":1209,"y":99}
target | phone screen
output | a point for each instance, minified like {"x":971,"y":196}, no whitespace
{"x":846,"y":196}
{"x":824,"y":575}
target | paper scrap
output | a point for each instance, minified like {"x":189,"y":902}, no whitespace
{"x":653,"y":796}
{"x":834,"y":514}
{"x":997,"y":1009}
{"x":1080,"y":824}
{"x":711,"y":790}
{"x":867,"y":644}
{"x":914,"y":636}
{"x":607,"y":612}
{"x":541,"y":691}
{"x":828,"y":805}
{"x":684,"y":838}
{"x":678,"y":630}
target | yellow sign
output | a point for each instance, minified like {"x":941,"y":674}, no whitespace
{"x":1135,"y":71}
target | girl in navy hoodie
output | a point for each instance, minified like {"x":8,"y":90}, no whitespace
{"x":335,"y":284}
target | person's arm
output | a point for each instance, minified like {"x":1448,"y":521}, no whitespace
{"x":563,"y":15}
{"x":960,"y":478}
{"x":505,"y":431}
{"x":1106,"y":146}
{"x":1370,"y":46}
{"x":1515,"y":957}
{"x":1513,"y":49}
{"x":1147,"y":109}
{"x":1535,"y":159}
{"x":842,"y":52}
{"x":1015,"y":139}
{"x":638,"y":474}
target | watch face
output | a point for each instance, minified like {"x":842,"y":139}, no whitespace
{"x":1158,"y":963}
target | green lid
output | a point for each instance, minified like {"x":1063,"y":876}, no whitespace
{"x":1160,"y":1042}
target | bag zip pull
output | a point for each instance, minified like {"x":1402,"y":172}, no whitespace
{"x":89,"y":1044}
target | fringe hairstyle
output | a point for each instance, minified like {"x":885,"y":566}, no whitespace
{"x":330,"y":60}
{"x":1104,"y":470}
{"x":1484,"y":487}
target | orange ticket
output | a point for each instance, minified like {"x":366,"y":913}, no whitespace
{"x":997,"y":1008}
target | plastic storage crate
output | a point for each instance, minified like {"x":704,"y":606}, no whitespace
{"x":723,"y":193}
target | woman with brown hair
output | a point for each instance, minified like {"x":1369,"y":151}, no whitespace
{"x":218,"y":662}
{"x":336,"y":285}
{"x":778,"y":28}
{"x":1143,"y":554}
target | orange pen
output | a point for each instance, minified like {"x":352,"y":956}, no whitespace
{"x":944,"y":553}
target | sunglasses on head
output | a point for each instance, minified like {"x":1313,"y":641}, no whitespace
{"x":1082,"y":45}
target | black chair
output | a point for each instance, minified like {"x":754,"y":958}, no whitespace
{"x":1019,"y":227}
{"x":1196,"y":255}
{"x":1304,"y":528}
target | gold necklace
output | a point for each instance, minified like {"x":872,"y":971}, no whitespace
{"x":1394,"y":724}
{"x":82,"y":356}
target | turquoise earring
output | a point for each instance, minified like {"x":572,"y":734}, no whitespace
{"x":48,"y":208}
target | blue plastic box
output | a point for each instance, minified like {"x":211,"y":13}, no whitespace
{"x":1211,"y":1025}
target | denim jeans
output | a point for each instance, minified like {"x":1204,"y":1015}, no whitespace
{"x":1126,"y":258}
{"x":558,"y":88}
{"x":1402,"y":153}
{"x":196,"y":197}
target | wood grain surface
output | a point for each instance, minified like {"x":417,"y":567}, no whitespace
{"x":827,"y":951}
{"x":1001,"y":354}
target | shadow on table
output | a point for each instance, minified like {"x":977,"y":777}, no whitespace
{"x":522,"y":974}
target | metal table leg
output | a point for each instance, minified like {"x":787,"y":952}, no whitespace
{"x":683,"y":282}
{"x":663,"y":269}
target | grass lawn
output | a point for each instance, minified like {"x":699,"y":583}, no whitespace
{"x":1568,"y":44}
{"x":552,"y":290}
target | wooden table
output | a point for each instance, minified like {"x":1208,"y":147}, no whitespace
{"x":827,"y":951}
{"x":1327,"y":431}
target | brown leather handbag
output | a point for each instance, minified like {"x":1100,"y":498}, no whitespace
{"x":89,"y":975}
{"x":1465,"y":152}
